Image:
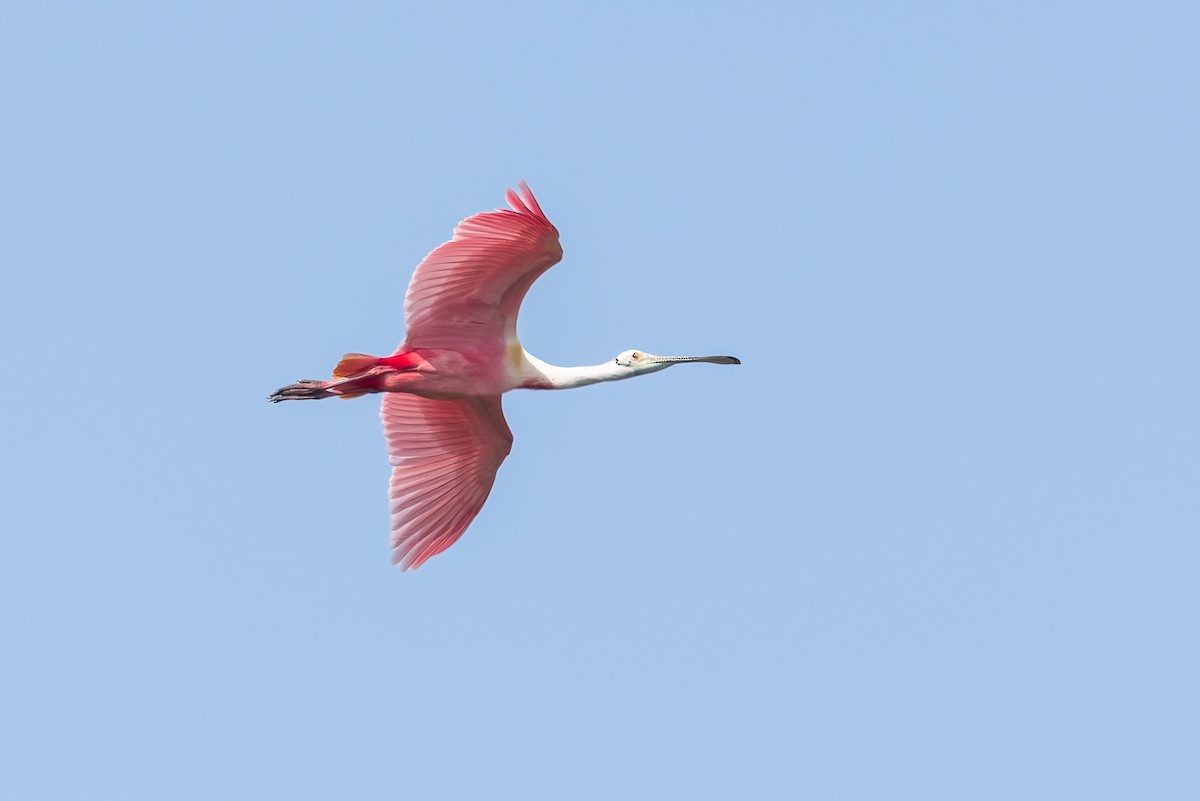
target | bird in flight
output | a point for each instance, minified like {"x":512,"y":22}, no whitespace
{"x":445,"y":428}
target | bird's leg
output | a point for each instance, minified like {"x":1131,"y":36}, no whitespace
{"x":305,"y":389}
{"x":351,"y":386}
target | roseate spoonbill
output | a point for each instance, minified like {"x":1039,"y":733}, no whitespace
{"x":441,"y":411}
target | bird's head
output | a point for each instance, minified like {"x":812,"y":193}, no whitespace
{"x":636,"y":362}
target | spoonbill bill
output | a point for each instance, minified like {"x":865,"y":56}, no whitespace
{"x":445,"y":428}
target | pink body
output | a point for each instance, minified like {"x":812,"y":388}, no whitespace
{"x":447,"y":374}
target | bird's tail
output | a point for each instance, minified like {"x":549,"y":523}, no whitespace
{"x":353,"y":364}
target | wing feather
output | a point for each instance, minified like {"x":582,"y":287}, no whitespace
{"x":444,"y":455}
{"x":471,"y":287}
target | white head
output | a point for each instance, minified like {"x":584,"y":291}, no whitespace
{"x":636,"y":362}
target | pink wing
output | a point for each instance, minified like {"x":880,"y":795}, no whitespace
{"x":471,"y":288}
{"x":444,"y":454}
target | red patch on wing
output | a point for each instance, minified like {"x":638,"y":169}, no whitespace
{"x":403,"y":361}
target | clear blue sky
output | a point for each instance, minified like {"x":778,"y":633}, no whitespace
{"x":937,"y":538}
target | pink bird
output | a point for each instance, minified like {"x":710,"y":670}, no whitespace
{"x":441,"y":410}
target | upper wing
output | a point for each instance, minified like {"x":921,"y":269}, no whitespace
{"x":445,"y":454}
{"x":471,"y":287}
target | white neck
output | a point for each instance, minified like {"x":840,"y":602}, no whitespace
{"x":550,"y":376}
